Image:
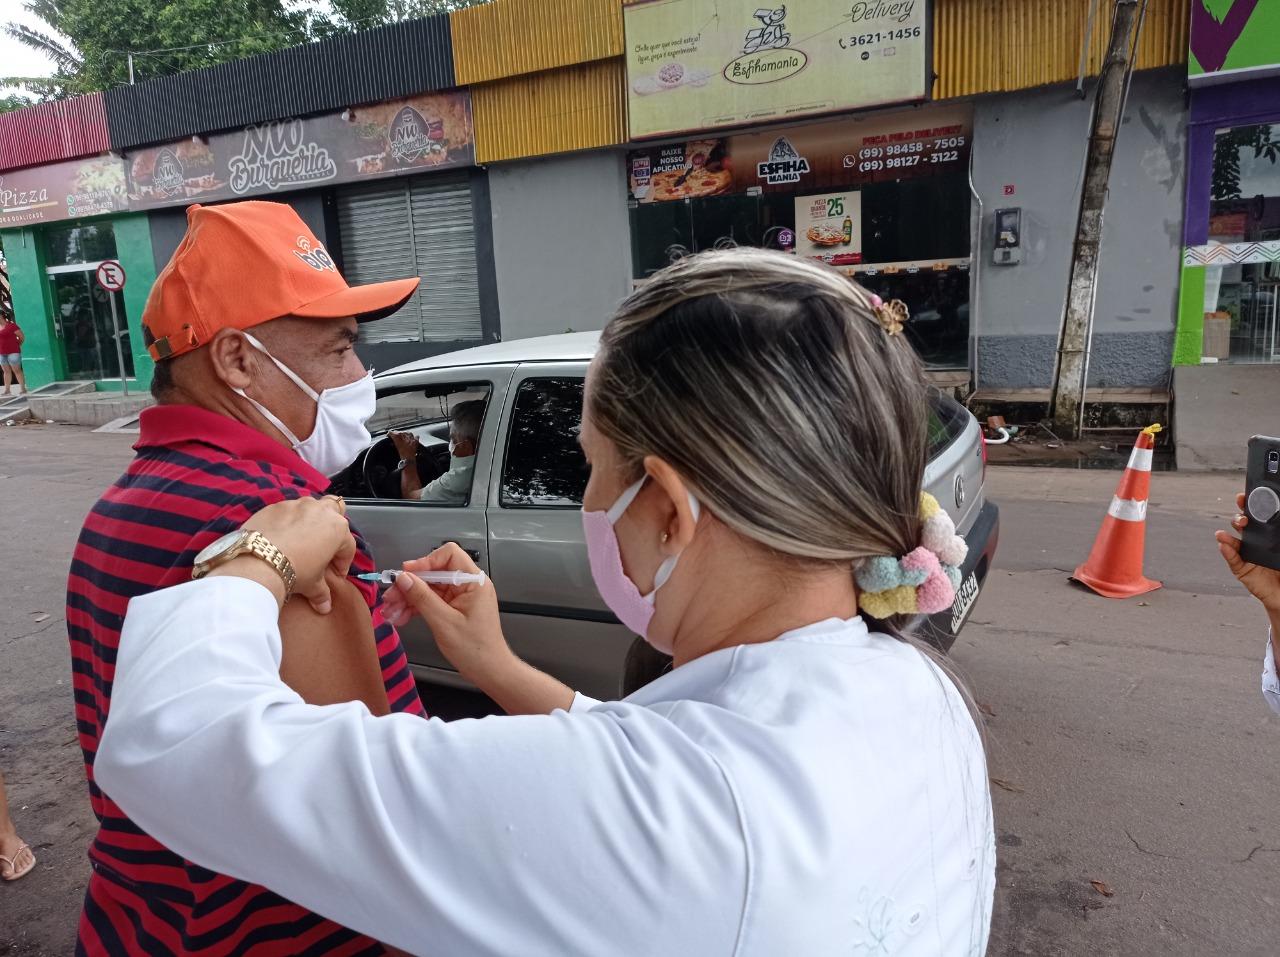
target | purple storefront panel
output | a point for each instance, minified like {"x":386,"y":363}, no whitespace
{"x":1214,"y":108}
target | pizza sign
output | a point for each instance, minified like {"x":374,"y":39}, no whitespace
{"x":829,"y":227}
{"x":681,"y":171}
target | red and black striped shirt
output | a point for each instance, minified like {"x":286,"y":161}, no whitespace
{"x":197,"y":475}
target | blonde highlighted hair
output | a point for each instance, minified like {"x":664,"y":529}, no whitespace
{"x":775,"y":387}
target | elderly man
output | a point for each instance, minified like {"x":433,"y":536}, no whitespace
{"x":454,"y":486}
{"x":260,"y":397}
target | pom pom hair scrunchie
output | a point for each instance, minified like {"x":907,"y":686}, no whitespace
{"x":922,"y":582}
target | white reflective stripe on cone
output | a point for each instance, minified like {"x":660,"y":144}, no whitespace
{"x":1140,"y":460}
{"x":1128,"y":509}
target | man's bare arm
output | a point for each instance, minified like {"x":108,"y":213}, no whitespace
{"x":333,"y":658}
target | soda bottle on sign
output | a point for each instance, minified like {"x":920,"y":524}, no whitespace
{"x":848,"y":230}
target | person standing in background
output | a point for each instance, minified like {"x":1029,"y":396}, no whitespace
{"x":16,"y":859}
{"x":11,"y":339}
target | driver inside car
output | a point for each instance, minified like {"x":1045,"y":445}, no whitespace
{"x":454,"y":486}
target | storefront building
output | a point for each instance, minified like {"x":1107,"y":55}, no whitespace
{"x":917,"y":146}
{"x":1228,"y":343}
{"x":390,"y":188}
{"x":58,"y":222}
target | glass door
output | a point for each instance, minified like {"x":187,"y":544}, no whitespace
{"x":93,"y":342}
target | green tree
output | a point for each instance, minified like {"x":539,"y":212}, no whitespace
{"x":351,"y":15}
{"x":1225,"y":181}
{"x":13,"y":102}
{"x":164,"y":36}
{"x":47,"y":41}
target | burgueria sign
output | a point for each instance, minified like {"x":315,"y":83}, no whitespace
{"x":704,"y":64}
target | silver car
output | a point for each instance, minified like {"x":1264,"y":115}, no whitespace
{"x":517,"y":511}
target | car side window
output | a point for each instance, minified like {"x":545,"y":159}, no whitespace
{"x":544,"y":465}
{"x":425,"y":445}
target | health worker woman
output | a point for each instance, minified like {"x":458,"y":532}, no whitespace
{"x":806,"y":780}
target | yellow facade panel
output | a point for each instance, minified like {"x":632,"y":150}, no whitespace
{"x":513,"y":37}
{"x":994,"y":46}
{"x":574,"y":108}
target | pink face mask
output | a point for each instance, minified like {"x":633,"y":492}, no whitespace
{"x":618,"y":591}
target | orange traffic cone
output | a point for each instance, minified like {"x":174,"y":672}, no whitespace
{"x":1114,"y":567}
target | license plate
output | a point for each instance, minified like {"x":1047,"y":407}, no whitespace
{"x":966,"y":595}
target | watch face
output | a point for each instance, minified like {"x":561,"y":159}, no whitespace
{"x":210,"y":552}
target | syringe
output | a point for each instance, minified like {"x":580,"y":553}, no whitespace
{"x":454,"y":578}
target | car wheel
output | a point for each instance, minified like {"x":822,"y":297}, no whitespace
{"x":644,"y":663}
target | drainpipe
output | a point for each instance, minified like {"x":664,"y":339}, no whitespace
{"x":975,"y":247}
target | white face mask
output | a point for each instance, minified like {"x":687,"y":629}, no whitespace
{"x":340,"y":434}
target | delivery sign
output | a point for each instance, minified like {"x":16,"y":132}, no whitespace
{"x":702,"y":64}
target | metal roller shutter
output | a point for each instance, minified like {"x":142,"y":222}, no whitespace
{"x":445,"y":240}
{"x":415,"y":227}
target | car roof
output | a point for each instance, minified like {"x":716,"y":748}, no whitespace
{"x":568,"y":347}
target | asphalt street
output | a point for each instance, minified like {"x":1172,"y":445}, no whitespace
{"x":1128,"y":741}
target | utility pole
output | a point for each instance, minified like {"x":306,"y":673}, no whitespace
{"x":131,"y":69}
{"x":1067,"y":398}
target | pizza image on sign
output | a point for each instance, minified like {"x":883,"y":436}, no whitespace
{"x":681,"y":171}
{"x":829,"y":227}
{"x":825,"y":234}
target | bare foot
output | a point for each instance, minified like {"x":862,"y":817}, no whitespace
{"x":16,"y":858}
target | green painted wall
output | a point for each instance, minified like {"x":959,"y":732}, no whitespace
{"x":32,"y":306}
{"x":133,"y":246}
{"x":1188,"y":343}
{"x":42,"y":358}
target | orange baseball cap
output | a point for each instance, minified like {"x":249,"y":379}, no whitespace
{"x":243,"y":264}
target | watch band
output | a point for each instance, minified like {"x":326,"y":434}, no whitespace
{"x":259,"y":546}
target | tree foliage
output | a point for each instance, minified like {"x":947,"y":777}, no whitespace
{"x":13,"y":102}
{"x":170,"y":36}
{"x":1226,"y":156}
{"x":350,"y":15}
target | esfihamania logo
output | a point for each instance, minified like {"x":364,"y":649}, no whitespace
{"x":765,"y":67}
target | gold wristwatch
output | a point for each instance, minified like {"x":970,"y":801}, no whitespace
{"x":243,"y":542}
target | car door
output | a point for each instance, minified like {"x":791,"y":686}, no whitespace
{"x":551,"y":612}
{"x":400,"y":529}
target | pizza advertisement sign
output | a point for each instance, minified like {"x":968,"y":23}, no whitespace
{"x":829,"y":227}
{"x":834,"y":155}
{"x":707,"y":64}
{"x":44,"y":194}
{"x":432,"y":130}
{"x":680,"y":171}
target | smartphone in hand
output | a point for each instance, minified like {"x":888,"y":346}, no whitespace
{"x":1260,"y":540}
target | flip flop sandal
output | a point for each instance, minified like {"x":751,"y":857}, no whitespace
{"x":12,"y":862}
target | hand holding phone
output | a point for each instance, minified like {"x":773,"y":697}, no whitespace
{"x":1260,"y":538}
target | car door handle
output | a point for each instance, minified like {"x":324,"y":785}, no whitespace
{"x":472,"y":553}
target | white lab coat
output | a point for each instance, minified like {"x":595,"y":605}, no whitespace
{"x":1270,"y":681}
{"x":822,"y":794}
